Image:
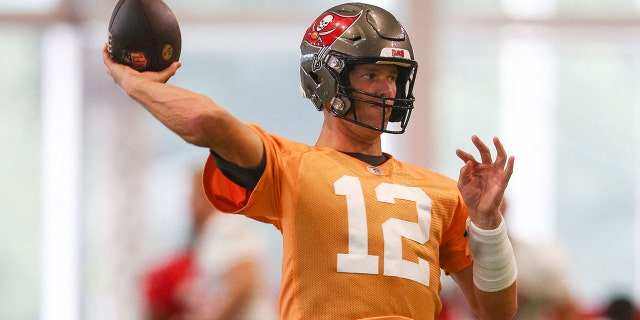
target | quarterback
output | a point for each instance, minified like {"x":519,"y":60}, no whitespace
{"x":365,"y":235}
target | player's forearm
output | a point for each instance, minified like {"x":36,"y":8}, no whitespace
{"x":496,"y":305}
{"x":182,"y":111}
{"x":494,"y":271}
{"x":500,"y":304}
{"x":198,"y":120}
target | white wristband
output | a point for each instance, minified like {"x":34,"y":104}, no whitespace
{"x":494,"y":265}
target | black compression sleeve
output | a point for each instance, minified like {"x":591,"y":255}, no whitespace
{"x":247,"y":178}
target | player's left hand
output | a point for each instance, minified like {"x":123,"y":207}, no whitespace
{"x":482,"y":184}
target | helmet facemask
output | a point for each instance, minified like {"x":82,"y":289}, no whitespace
{"x":399,"y":107}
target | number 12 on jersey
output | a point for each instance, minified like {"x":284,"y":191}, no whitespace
{"x":358,"y":260}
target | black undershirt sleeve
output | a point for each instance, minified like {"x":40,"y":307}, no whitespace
{"x":247,"y":178}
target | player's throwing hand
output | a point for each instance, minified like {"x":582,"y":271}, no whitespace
{"x":120,"y":72}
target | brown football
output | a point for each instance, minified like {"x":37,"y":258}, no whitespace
{"x":144,"y":34}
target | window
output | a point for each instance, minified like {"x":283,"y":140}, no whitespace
{"x":20,"y":163}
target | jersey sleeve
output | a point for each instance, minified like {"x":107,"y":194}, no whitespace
{"x":223,"y":193}
{"x":263,"y":203}
{"x":454,"y":249}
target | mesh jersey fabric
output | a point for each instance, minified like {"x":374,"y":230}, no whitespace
{"x":359,"y":241}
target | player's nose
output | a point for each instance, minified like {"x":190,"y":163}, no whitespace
{"x":387,"y":89}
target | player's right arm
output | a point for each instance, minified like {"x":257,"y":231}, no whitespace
{"x":194,"y":117}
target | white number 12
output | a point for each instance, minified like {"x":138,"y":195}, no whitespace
{"x":358,"y":260}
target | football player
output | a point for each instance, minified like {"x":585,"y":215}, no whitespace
{"x":365,"y":235}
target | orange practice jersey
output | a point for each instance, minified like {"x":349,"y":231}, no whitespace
{"x":359,"y":241}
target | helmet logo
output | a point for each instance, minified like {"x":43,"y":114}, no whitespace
{"x":317,"y":59}
{"x":395,"y":53}
{"x":327,"y":28}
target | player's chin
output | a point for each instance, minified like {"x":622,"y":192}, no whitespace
{"x":377,"y":125}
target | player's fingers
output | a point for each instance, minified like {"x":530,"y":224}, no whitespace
{"x":501,"y":156}
{"x":509,"y":170}
{"x":169,"y":71}
{"x":106,"y":59}
{"x":485,"y":153}
{"x":465,"y":175}
{"x":465,"y":156}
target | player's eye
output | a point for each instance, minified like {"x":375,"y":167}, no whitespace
{"x":369,"y":76}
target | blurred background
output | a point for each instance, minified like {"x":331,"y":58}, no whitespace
{"x":93,"y":190}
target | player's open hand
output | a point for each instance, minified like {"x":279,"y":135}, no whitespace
{"x":121,"y":72}
{"x":483,"y":183}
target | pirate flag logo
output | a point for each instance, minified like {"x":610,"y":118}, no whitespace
{"x":327,"y":28}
